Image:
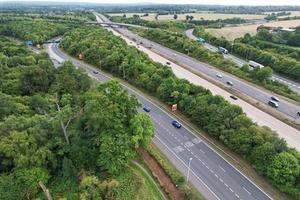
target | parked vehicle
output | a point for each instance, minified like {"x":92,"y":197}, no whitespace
{"x":95,"y":72}
{"x":176,"y":124}
{"x":223,"y":50}
{"x":168,"y":63}
{"x":273,"y":104}
{"x":255,"y":64}
{"x":219,"y":75}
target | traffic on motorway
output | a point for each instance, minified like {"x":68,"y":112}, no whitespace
{"x":162,"y":55}
{"x":210,"y":172}
{"x":240,"y":62}
{"x":287,"y":108}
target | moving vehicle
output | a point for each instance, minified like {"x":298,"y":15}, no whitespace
{"x":95,"y":72}
{"x":168,"y":63}
{"x":223,"y":50}
{"x":275,"y":99}
{"x":219,"y":75}
{"x":200,"y":40}
{"x":229,"y":83}
{"x":146,"y":109}
{"x":233,"y":97}
{"x":254,"y":64}
{"x":273,"y":104}
{"x":176,"y":124}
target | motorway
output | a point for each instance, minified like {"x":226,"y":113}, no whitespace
{"x":240,"y":62}
{"x":290,"y":134}
{"x":210,"y":173}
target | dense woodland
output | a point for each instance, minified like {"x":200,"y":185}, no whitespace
{"x":260,"y":146}
{"x":60,"y":130}
{"x":36,"y":31}
{"x":181,"y":43}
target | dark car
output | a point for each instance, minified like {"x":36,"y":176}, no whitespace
{"x":273,"y":104}
{"x":229,"y":83}
{"x":176,"y":124}
{"x":95,"y":72}
{"x":146,"y":109}
{"x":275,"y":99}
{"x":233,"y":97}
{"x":168,"y":63}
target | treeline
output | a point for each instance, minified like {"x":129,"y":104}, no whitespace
{"x":260,"y":146}
{"x":257,"y":42}
{"x":181,"y":43}
{"x":152,"y":24}
{"x":279,"y":63}
{"x":218,"y":23}
{"x":37,"y":31}
{"x":286,"y":38}
{"x":58,"y":130}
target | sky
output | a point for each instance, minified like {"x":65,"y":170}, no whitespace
{"x":217,"y":2}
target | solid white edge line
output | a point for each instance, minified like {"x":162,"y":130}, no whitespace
{"x":187,"y":166}
{"x":189,"y":130}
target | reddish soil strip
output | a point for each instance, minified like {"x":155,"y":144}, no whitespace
{"x":159,"y":173}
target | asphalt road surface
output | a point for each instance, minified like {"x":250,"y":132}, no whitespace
{"x":291,"y":135}
{"x":240,"y":62}
{"x":211,"y":174}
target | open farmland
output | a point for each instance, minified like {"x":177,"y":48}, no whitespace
{"x":197,"y":16}
{"x":232,"y":33}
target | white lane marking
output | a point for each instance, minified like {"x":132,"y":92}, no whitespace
{"x":178,"y":149}
{"x":202,"y":151}
{"x":196,"y":140}
{"x":137,"y":93}
{"x":246,"y":190}
{"x":237,"y":196}
{"x":222,"y":168}
{"x":231,"y":189}
{"x":189,"y":144}
{"x":187,"y":167}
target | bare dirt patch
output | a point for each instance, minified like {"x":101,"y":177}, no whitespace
{"x":159,"y":173}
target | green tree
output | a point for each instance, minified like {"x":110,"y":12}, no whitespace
{"x":262,"y":74}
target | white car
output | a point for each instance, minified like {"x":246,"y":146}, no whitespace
{"x":219,"y":75}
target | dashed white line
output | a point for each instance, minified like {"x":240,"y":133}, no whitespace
{"x":246,"y":190}
{"x":222,"y":168}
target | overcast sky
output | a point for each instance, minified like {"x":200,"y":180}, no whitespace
{"x":219,"y":2}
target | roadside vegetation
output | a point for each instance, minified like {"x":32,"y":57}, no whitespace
{"x":179,"y":42}
{"x":59,"y":131}
{"x":260,"y":146}
{"x":281,"y":64}
{"x":36,"y":29}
